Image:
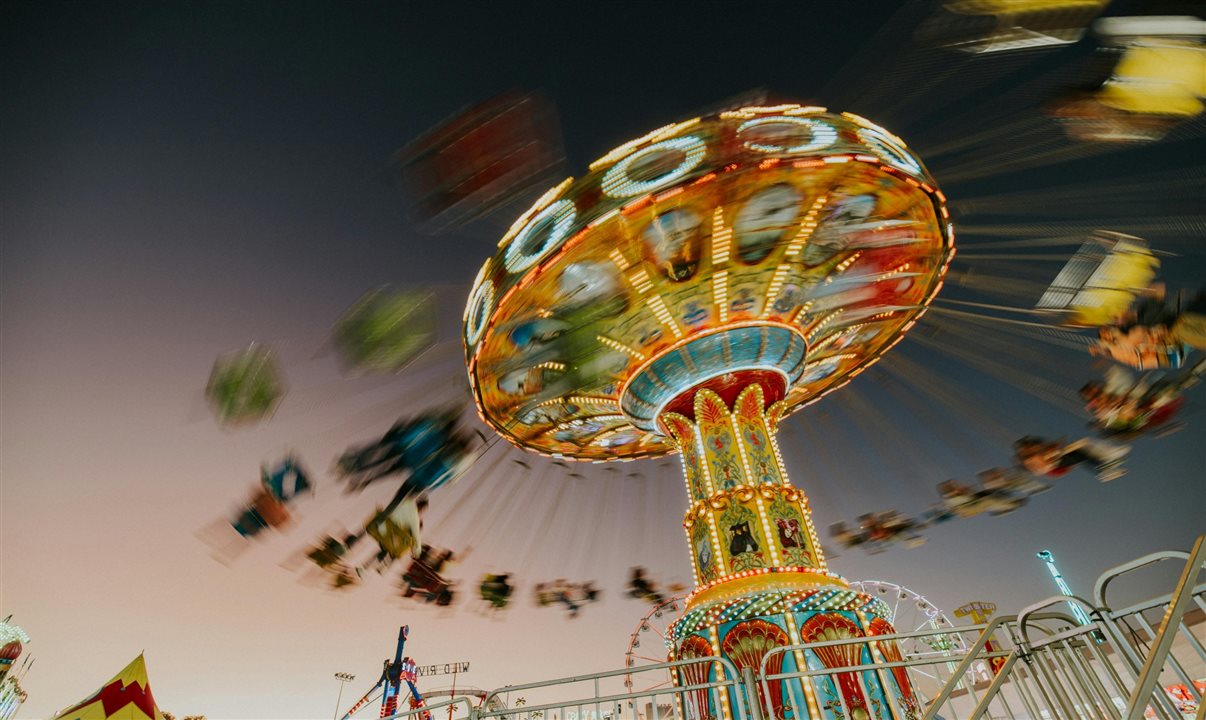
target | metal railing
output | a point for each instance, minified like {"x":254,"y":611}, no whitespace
{"x":941,"y":672}
{"x":460,"y":707}
{"x":1105,"y":669}
{"x":711,"y":682}
{"x":1036,"y":665}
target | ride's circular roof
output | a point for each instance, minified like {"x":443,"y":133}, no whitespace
{"x":11,"y":639}
{"x":788,"y":242}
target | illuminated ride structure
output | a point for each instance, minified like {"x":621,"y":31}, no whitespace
{"x":1049,"y":559}
{"x":12,"y":695}
{"x":910,"y":612}
{"x":697,"y":286}
{"x":649,"y":640}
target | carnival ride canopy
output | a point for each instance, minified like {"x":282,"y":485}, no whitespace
{"x":126,"y":696}
{"x":784,"y":238}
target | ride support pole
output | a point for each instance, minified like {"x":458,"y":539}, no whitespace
{"x":752,"y":697}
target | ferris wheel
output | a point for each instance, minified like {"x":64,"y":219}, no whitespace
{"x":648,"y":644}
{"x":910,"y":612}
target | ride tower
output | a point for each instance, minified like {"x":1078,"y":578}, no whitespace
{"x":1082,"y":618}
{"x":694,"y":288}
{"x":393,"y":675}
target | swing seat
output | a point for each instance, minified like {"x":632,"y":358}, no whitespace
{"x":1100,"y":281}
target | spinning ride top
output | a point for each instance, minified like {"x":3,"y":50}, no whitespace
{"x":12,"y":639}
{"x":699,"y":284}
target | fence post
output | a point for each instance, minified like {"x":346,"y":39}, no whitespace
{"x":1179,"y":602}
{"x":750,"y":687}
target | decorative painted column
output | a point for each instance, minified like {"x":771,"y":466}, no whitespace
{"x":745,"y":520}
{"x":761,"y":581}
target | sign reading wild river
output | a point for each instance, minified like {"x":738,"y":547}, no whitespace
{"x":445,"y":669}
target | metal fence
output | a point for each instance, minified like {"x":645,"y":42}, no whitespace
{"x":610,"y":695}
{"x":1036,"y":665}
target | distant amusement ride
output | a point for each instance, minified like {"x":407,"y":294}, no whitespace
{"x":698,"y":285}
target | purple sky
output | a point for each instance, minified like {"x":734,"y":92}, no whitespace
{"x":180,"y":181}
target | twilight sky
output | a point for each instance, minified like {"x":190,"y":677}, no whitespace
{"x":178,"y":180}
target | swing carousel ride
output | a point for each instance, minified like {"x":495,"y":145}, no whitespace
{"x":742,"y":265}
{"x":698,"y":285}
{"x":721,"y":272}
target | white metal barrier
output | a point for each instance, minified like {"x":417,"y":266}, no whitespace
{"x":1155,"y":654}
{"x":1104,"y":670}
{"x":461,"y":707}
{"x":606,"y":695}
{"x":1037,"y":665}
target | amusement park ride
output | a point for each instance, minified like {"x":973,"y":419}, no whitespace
{"x":393,"y":674}
{"x":1049,"y":560}
{"x":697,"y":286}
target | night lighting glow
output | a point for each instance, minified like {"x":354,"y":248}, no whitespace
{"x":820,"y":134}
{"x":560,"y":216}
{"x":618,"y":184}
